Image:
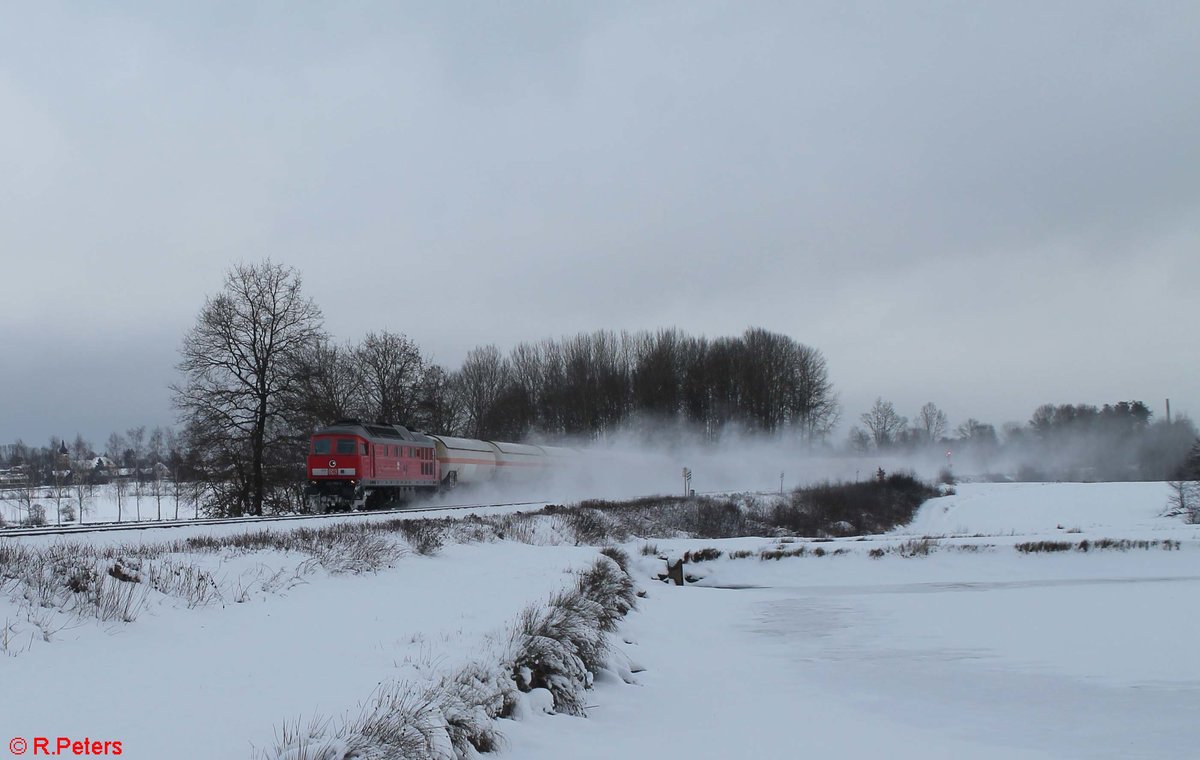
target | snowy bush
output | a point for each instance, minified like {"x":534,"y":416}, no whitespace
{"x":1184,"y":501}
{"x":424,"y":536}
{"x":588,"y":525}
{"x":357,"y":552}
{"x":36,"y":517}
{"x":559,"y":646}
{"x":398,"y":723}
{"x":1033,"y":547}
{"x":472,"y":698}
{"x":617,"y":555}
{"x":186,"y":581}
{"x":826,"y":509}
{"x":608,"y":583}
{"x":780,"y":552}
{"x":918,"y":547}
{"x":702,"y":555}
{"x":452,"y":717}
{"x":340,"y":547}
{"x":546,"y":644}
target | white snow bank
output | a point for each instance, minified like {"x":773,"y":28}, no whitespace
{"x":1038,"y":508}
{"x":212,"y":682}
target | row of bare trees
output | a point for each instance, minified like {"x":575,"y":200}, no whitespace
{"x":584,"y":386}
{"x":1118,"y":441}
{"x":593,"y":384}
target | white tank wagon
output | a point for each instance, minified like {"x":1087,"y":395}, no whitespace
{"x":561,"y":453}
{"x":465,"y":460}
{"x":519,"y":462}
{"x":468,"y":461}
{"x":559,"y":458}
{"x":563,"y":462}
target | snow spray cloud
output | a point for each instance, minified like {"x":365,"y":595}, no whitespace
{"x":651,"y":459}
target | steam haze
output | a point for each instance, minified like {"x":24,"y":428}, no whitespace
{"x":988,"y":206}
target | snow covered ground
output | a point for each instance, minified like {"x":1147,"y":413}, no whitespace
{"x":137,"y":501}
{"x":981,"y":652}
{"x":950,"y":643}
{"x":213,"y":682}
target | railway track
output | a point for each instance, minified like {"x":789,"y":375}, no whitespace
{"x":100,"y":527}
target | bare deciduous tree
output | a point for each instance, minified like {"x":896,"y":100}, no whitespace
{"x":115,"y":450}
{"x":860,"y":441}
{"x":155,"y":450}
{"x":22,"y":493}
{"x":83,"y":488}
{"x":977,"y":433}
{"x":883,"y":422}
{"x":438,"y":407}
{"x":390,"y":367}
{"x":480,"y":383}
{"x":136,"y":436}
{"x":326,"y":388}
{"x":932,"y":423}
{"x":1184,"y":500}
{"x":239,"y":365}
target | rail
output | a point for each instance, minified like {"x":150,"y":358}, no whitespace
{"x":100,"y":527}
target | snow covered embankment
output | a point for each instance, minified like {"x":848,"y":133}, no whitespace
{"x":545,"y":661}
{"x":54,"y":586}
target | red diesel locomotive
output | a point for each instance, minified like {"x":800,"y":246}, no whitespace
{"x":355,"y":465}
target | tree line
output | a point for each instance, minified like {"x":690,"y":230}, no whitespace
{"x":1118,"y":441}
{"x":142,"y":464}
{"x":584,"y":386}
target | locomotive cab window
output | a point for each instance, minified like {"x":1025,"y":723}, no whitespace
{"x":346,"y":446}
{"x":321,"y":446}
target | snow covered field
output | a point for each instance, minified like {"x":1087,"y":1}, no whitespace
{"x":138,"y":501}
{"x":950,"y":642}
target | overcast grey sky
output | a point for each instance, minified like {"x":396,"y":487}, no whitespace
{"x":986,"y":205}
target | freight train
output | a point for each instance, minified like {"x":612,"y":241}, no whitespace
{"x":357,"y":465}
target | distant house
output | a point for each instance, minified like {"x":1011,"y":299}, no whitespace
{"x":99,"y":463}
{"x":100,"y":468}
